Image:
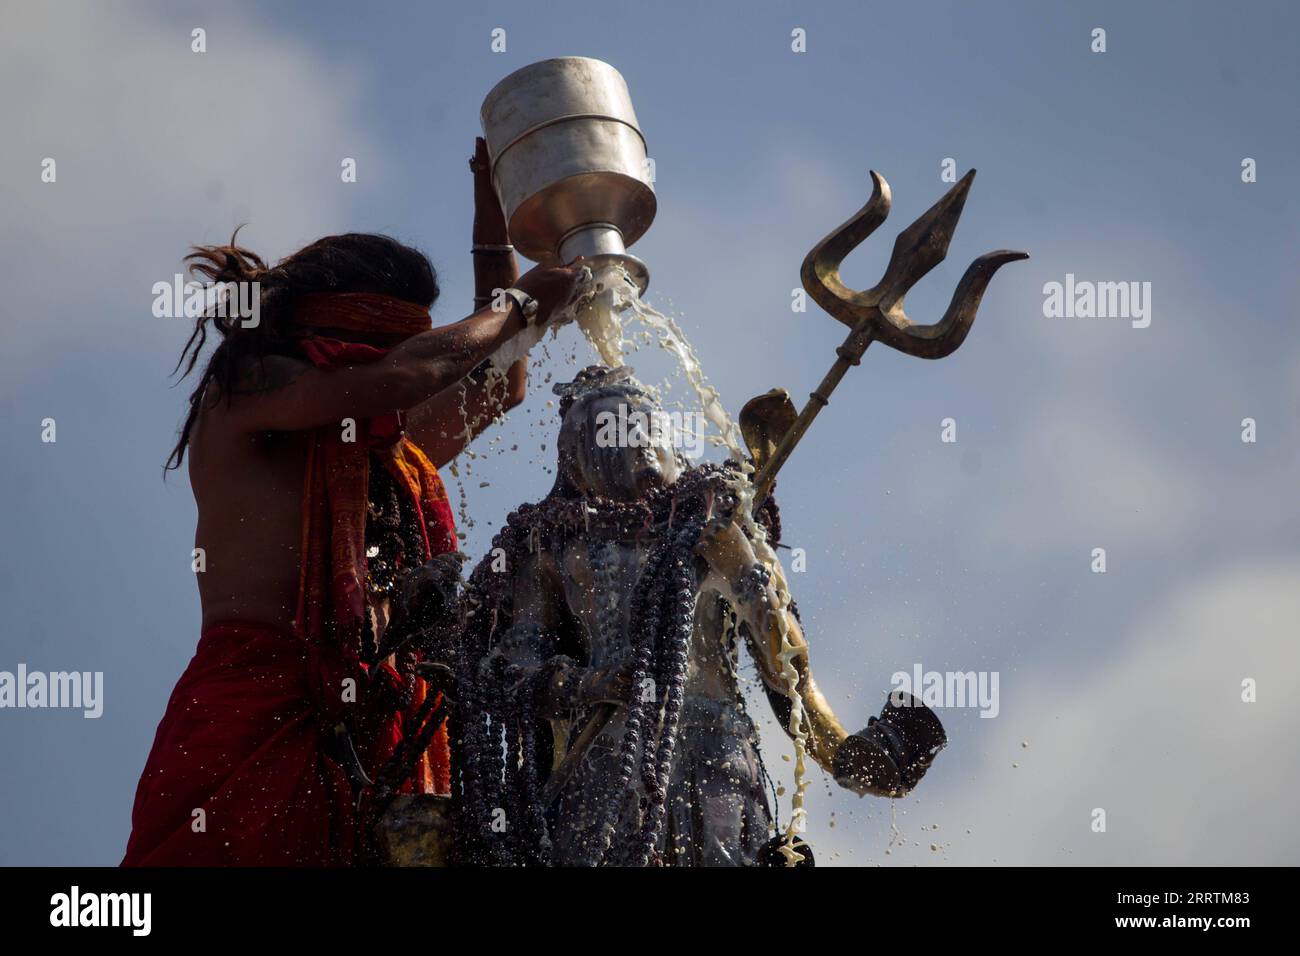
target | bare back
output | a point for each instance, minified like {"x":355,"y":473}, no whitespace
{"x":248,"y":488}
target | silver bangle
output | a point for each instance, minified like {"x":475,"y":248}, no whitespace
{"x":528,"y":306}
{"x":483,"y":247}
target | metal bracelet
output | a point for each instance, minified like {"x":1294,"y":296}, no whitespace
{"x":504,"y":248}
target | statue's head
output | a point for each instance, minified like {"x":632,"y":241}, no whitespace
{"x":613,"y":441}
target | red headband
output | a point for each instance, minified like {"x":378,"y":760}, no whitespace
{"x":361,"y":312}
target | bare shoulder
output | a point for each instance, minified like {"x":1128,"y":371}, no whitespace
{"x":220,"y":413}
{"x":264,"y":373}
{"x":255,"y":377}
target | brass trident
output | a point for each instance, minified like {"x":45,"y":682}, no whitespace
{"x":876,"y":314}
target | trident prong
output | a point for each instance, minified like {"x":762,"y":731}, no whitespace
{"x":878,"y":312}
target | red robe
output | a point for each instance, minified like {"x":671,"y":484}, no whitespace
{"x":241,"y":772}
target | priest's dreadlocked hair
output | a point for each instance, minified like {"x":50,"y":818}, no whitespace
{"x":353,"y":262}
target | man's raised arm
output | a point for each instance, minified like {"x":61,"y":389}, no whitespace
{"x":303,"y":397}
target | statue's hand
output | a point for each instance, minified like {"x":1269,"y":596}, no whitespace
{"x":891,"y":754}
{"x":863,"y":766}
{"x":563,"y":687}
{"x":432,"y":587}
{"x":427,"y":597}
{"x":607,"y":685}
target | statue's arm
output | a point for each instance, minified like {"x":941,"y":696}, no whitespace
{"x":775,"y":638}
{"x":535,"y":613}
{"x":534,"y":641}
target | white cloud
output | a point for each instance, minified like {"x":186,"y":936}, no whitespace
{"x":1087,"y":479}
{"x":1159,"y":737}
{"x":156,"y":148}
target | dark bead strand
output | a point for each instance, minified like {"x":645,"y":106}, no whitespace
{"x":505,"y":714}
{"x":530,"y":797}
{"x":474,"y":742}
{"x":677,"y":639}
{"x":492,"y":764}
{"x":645,"y":617}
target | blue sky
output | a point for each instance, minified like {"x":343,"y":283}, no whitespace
{"x":1072,"y":433}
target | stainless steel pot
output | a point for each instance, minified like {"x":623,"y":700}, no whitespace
{"x":569,"y":163}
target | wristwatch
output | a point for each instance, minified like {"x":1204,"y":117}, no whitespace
{"x":527,"y":304}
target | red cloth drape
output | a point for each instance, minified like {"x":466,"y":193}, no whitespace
{"x":238,"y":775}
{"x":240,"y":772}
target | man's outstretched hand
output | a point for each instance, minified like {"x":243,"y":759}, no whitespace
{"x":552,"y":286}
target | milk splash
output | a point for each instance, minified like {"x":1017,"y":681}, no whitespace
{"x":607,"y":293}
{"x":604,"y":295}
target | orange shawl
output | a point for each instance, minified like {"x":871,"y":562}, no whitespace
{"x":331,"y":600}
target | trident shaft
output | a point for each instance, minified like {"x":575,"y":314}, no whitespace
{"x":877,"y":314}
